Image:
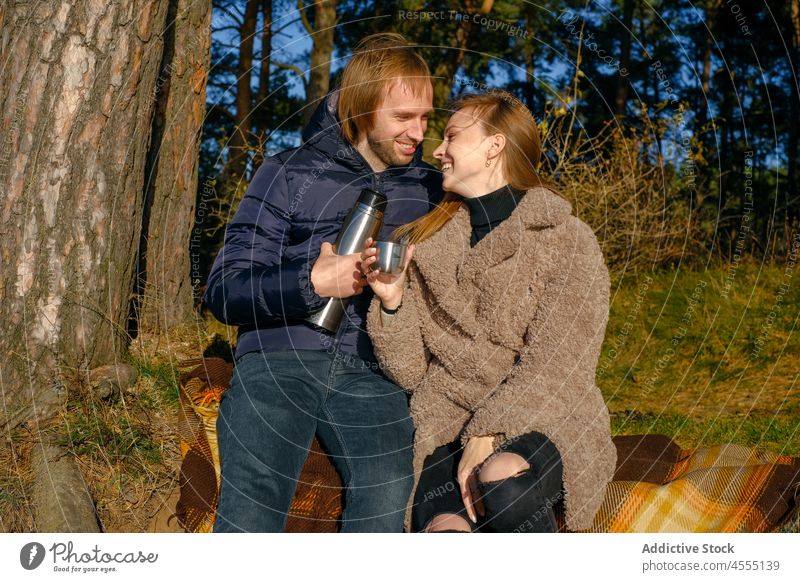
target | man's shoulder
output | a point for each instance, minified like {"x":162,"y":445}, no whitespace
{"x":287,"y":158}
{"x":302,"y":159}
{"x":279,"y":171}
{"x":283,"y":165}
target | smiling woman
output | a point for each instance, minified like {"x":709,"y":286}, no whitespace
{"x":496,"y":328}
{"x":490,"y":141}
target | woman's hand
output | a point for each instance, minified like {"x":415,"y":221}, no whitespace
{"x":476,"y":451}
{"x":388,"y":287}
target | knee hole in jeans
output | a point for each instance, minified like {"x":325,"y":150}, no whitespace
{"x":447,"y":522}
{"x":502,"y":466}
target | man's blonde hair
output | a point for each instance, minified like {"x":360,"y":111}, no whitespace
{"x":378,"y":60}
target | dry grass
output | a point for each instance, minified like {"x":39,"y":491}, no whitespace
{"x":128,"y":454}
{"x":696,"y":375}
{"x":792,"y":525}
{"x":641,"y":208}
{"x":128,"y":449}
{"x":16,"y":478}
{"x":133,"y":472}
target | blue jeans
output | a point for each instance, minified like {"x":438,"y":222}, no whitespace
{"x":276,"y":402}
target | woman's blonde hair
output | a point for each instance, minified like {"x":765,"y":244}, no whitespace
{"x":497,"y":112}
{"x":378,"y":60}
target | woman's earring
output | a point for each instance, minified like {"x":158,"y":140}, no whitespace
{"x":488,"y":162}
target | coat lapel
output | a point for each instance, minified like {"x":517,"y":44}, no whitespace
{"x":500,"y":245}
{"x":438,"y":260}
{"x":453,"y":271}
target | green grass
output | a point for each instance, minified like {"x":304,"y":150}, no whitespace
{"x":120,"y":431}
{"x":113,"y":437}
{"x":778,"y":435}
{"x":685,"y":358}
{"x":163,"y":391}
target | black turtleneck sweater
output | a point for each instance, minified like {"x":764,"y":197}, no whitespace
{"x":489,"y":210}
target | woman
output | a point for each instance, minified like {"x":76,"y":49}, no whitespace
{"x":495,"y":329}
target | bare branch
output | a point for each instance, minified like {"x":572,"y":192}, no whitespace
{"x":301,"y":7}
{"x":223,"y":28}
{"x":284,"y":26}
{"x":294,"y":68}
{"x":235,"y":17}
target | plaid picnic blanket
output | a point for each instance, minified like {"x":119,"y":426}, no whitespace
{"x":657,"y":486}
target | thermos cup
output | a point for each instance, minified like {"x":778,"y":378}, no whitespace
{"x":391,"y":256}
{"x":363,"y":221}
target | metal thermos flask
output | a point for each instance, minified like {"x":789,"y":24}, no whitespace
{"x":363,"y":221}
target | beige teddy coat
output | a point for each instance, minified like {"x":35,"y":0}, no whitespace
{"x":503,"y":339}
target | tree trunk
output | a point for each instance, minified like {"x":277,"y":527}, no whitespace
{"x":164,"y":264}
{"x":77,"y":101}
{"x":261,"y":116}
{"x":239,"y":141}
{"x":792,"y":202}
{"x":321,"y":51}
{"x":529,"y":53}
{"x":377,"y":22}
{"x":445,"y":72}
{"x":625,"y":58}
{"x":711,"y":15}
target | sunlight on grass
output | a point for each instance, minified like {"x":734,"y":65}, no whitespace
{"x":706,"y":358}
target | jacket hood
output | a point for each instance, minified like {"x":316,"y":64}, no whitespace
{"x":324,"y":133}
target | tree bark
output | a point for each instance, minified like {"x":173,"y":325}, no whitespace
{"x":76,"y":99}
{"x":59,"y":496}
{"x":321,"y":51}
{"x":165,"y":281}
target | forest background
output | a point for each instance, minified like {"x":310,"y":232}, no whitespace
{"x":132,"y":129}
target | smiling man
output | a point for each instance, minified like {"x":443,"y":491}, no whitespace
{"x":277,"y":267}
{"x":397,"y":126}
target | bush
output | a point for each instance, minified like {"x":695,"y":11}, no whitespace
{"x":641,"y":206}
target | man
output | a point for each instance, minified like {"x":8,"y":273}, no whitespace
{"x":277,"y":266}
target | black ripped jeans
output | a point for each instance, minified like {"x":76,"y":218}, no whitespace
{"x":520,"y":504}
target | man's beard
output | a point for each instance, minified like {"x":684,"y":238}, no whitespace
{"x":386,"y":152}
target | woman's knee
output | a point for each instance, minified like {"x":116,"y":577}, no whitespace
{"x":516,"y":504}
{"x":516,"y":496}
{"x":502,"y":466}
{"x":448,"y":522}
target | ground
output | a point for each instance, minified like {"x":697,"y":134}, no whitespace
{"x":695,"y":354}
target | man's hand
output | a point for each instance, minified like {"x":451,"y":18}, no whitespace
{"x":337,"y":275}
{"x":476,"y":451}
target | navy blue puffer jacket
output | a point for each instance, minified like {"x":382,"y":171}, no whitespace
{"x":296,"y":200}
